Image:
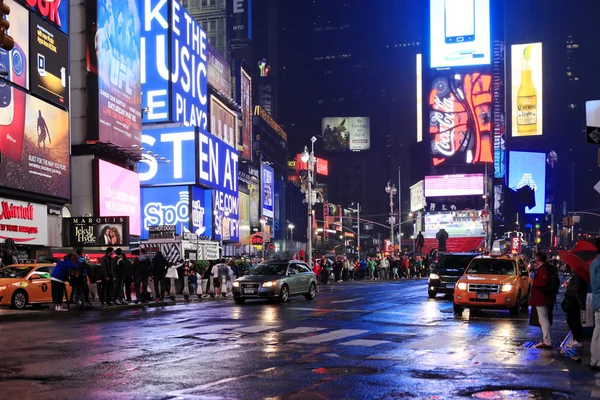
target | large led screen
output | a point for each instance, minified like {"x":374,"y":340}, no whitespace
{"x":113,"y":63}
{"x":165,"y":206}
{"x":527,"y":89}
{"x":419,"y":98}
{"x":267,"y":182}
{"x":346,"y":133}
{"x":223,"y":122}
{"x":49,"y":62}
{"x":172,"y":157}
{"x":34,"y":142}
{"x":460,"y":118}
{"x":526,"y":168}
{"x":201,"y":212}
{"x":456,"y":223}
{"x":119,"y":194}
{"x":245,"y":100}
{"x":54,"y":11}
{"x":174,"y":65}
{"x":459,"y":33}
{"x":14,"y":63}
{"x":454,"y":185}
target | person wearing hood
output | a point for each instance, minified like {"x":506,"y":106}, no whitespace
{"x":59,"y":276}
{"x":142,"y":266}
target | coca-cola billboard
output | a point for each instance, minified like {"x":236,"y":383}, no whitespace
{"x":460,"y":118}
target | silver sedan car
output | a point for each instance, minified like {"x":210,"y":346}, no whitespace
{"x":276,"y":280}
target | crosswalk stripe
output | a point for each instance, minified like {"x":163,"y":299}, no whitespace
{"x":347,"y":301}
{"x":365,"y":342}
{"x":329,"y":336}
{"x":214,"y":328}
{"x":255,"y":328}
{"x":303,"y":329}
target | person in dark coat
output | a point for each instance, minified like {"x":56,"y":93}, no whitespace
{"x":419,"y":242}
{"x":572,"y":305}
{"x":104,"y":278}
{"x":118,"y":266}
{"x":142,"y":267}
{"x":442,"y":238}
{"x":60,"y":275}
{"x":159,"y":271}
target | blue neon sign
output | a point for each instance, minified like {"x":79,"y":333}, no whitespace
{"x":527,"y":168}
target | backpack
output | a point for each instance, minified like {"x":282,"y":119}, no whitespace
{"x":553,"y":282}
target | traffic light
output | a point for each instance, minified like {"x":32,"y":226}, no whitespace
{"x":6,"y":42}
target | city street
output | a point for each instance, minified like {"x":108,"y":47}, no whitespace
{"x":360,"y":340}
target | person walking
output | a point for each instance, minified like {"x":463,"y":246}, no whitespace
{"x":60,"y":274}
{"x":159,"y":270}
{"x":542,"y":299}
{"x":572,"y":305}
{"x":395,"y":265}
{"x":385,"y":268}
{"x":104,"y":278}
{"x":142,"y":266}
{"x":118,"y":267}
{"x":595,"y":281}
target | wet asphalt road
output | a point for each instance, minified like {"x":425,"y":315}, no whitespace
{"x":359,"y":340}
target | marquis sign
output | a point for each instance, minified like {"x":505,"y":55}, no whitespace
{"x":99,"y":231}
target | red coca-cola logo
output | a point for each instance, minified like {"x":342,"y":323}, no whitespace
{"x":10,"y":211}
{"x":47,"y":9}
{"x":445,"y":119}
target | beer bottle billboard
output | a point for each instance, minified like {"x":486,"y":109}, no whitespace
{"x":527,"y":90}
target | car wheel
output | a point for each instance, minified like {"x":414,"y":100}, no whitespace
{"x":284,"y":294}
{"x":516,"y":310}
{"x":239,"y":300}
{"x":431,"y":294}
{"x":312,"y":292}
{"x":458,"y":310}
{"x":19,"y":299}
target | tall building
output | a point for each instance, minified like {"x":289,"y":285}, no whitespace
{"x":212,"y":17}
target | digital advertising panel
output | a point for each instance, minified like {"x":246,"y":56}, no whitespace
{"x":240,"y":22}
{"x":118,"y":194}
{"x":456,"y":223}
{"x":174,"y":65}
{"x":459,"y":33}
{"x":49,"y":62}
{"x":267,"y":182}
{"x":419,"y":98}
{"x":13,"y":64}
{"x":219,"y":71}
{"x":223,"y":122}
{"x":417,"y":196}
{"x":346,"y":133}
{"x":35,"y":147}
{"x":113,"y":64}
{"x":25,"y":223}
{"x":460,"y":118}
{"x":54,"y":11}
{"x":245,"y":219}
{"x":454,"y":185}
{"x":165,"y":206}
{"x":254,"y":205}
{"x":527,"y":89}
{"x":321,"y":166}
{"x":245,"y":100}
{"x":99,"y":231}
{"x":527,"y":168}
{"x":202,"y":212}
{"x":177,"y":145}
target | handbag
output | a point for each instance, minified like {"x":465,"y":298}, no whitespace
{"x":566,"y":304}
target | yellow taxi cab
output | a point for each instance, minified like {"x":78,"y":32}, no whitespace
{"x":499,"y":281}
{"x":23,"y":284}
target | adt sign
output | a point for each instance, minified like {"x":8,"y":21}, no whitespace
{"x":174,"y":144}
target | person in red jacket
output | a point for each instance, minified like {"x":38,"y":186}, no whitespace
{"x":542,"y":302}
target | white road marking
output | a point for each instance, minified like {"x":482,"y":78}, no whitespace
{"x":213,"y":328}
{"x":328,"y":310}
{"x":407,"y":334}
{"x":303,"y":329}
{"x":255,"y":328}
{"x":329,"y":336}
{"x":347,"y":301}
{"x":364,"y":342}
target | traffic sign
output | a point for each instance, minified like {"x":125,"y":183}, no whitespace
{"x":597,"y":187}
{"x":593,"y":135}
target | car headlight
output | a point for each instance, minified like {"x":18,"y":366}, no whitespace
{"x":507,"y":287}
{"x":462,"y":286}
{"x":434,"y":276}
{"x":269,"y":284}
{"x":236,"y":284}
{"x":3,"y":287}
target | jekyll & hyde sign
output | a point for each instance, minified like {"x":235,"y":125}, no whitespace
{"x":99,"y":231}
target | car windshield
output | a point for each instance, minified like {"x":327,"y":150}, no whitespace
{"x":269,"y":269}
{"x":14,"y":272}
{"x":454,"y":262}
{"x":492,"y":267}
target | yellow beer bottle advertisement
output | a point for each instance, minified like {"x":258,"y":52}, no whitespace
{"x":527,"y":90}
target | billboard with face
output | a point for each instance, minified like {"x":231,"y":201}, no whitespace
{"x":346,"y":133}
{"x":460,"y":118}
{"x":459,"y":33}
{"x":34,"y":142}
{"x":174,"y":68}
{"x":113,"y":63}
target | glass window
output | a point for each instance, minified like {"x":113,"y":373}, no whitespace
{"x":492,"y":267}
{"x":454,"y":262}
{"x":303,"y":268}
{"x":14,"y":272}
{"x":293,"y":270}
{"x":269,"y":269}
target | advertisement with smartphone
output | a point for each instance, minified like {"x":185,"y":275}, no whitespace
{"x":49,"y":62}
{"x":13,"y":64}
{"x":460,"y":33}
{"x":34,"y":142}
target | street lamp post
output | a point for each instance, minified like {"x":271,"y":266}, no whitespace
{"x":291,"y":228}
{"x":391,"y":190}
{"x":310,"y":160}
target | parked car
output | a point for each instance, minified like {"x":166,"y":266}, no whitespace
{"x":276,"y":280}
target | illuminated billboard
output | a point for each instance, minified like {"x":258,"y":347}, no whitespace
{"x":529,"y":169}
{"x":321,"y":166}
{"x":223,"y":122}
{"x":460,"y":118}
{"x":218,"y":70}
{"x":417,"y":196}
{"x":49,"y":62}
{"x":527,"y":86}
{"x":419,"y":98}
{"x":174,"y":68}
{"x":267,"y":182}
{"x":35,"y":146}
{"x":460,"y":33}
{"x":346,"y":133}
{"x":456,"y":223}
{"x":245,"y":100}
{"x":113,"y":65}
{"x":14,"y":63}
{"x":454,"y":185}
{"x":54,"y":11}
{"x":118,"y":194}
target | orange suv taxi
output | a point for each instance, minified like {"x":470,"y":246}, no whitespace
{"x":493,"y":282}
